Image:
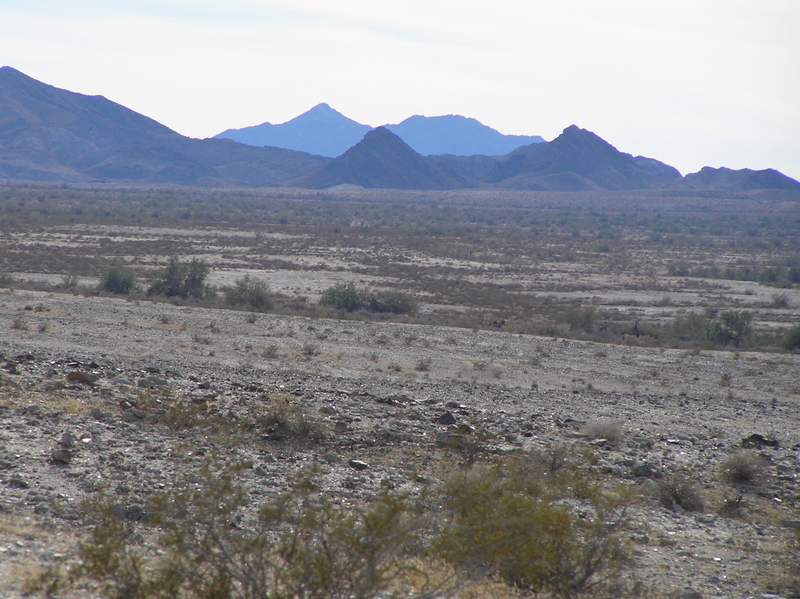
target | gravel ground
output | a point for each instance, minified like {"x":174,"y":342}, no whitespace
{"x":81,"y":374}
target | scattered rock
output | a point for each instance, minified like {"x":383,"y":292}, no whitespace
{"x":358,"y":464}
{"x":151,"y":382}
{"x":61,"y":456}
{"x":82,"y":377}
{"x":17,"y":482}
{"x":447,"y":418}
{"x":756,"y":441}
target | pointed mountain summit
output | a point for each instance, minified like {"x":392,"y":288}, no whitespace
{"x":457,"y":135}
{"x":742,"y":179}
{"x":50,"y":134}
{"x":381,"y":160}
{"x":579,"y":160}
{"x":322,"y":131}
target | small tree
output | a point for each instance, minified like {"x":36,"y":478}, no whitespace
{"x":251,"y":292}
{"x":182,"y":280}
{"x":733,"y":327}
{"x":119,"y":280}
{"x":792,"y":339}
{"x":344,"y":296}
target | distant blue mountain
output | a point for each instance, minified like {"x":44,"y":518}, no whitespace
{"x":322,"y":131}
{"x":326,"y":132}
{"x":457,"y":135}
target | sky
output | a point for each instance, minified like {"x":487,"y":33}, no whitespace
{"x":692,"y":83}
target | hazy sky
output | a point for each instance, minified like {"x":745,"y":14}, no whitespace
{"x":689,"y":82}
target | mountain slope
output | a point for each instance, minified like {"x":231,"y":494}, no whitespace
{"x":52,"y":134}
{"x":742,"y":179}
{"x":457,"y":135}
{"x":322,"y":131}
{"x":381,"y":160}
{"x":579,"y":160}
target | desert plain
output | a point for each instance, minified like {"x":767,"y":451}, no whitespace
{"x":576,"y":324}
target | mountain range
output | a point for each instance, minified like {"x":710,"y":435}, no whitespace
{"x":327,"y":132}
{"x":50,"y":134}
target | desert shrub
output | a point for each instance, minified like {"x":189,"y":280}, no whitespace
{"x":282,"y":418}
{"x":70,"y":281}
{"x":297,"y":544}
{"x":538,"y":531}
{"x":732,"y":327}
{"x":349,"y":298}
{"x":250,"y":292}
{"x":743,"y":468}
{"x":792,"y":339}
{"x":579,"y":319}
{"x":676,"y":490}
{"x":344,"y":296}
{"x":395,"y":302}
{"x":706,"y":327}
{"x":119,"y":280}
{"x":182,"y":280}
{"x":6,"y":280}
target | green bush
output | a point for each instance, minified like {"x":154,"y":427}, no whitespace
{"x":119,"y":280}
{"x":349,"y":298}
{"x":579,"y":319}
{"x":182,"y":280}
{"x":395,"y":302}
{"x":732,"y":327}
{"x":344,"y":296}
{"x":792,"y":339}
{"x":706,"y":327}
{"x":6,"y":280}
{"x":250,"y":292}
{"x":536,"y":529}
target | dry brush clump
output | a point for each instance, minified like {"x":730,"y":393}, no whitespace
{"x":529,"y":526}
{"x":677,"y":492}
{"x":743,"y":469}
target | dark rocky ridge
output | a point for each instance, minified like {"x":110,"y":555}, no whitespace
{"x":579,"y":160}
{"x":50,"y":134}
{"x":382,"y":160}
{"x":742,"y":179}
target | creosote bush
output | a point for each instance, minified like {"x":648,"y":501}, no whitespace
{"x":251,"y":293}
{"x":791,"y":341}
{"x":349,"y":298}
{"x":182,"y":280}
{"x":119,"y":280}
{"x":297,"y":544}
{"x":539,"y":530}
{"x":534,"y":527}
{"x":344,"y":296}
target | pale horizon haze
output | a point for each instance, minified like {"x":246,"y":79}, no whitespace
{"x":691,"y":83}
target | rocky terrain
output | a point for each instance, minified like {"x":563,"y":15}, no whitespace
{"x":87,"y":385}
